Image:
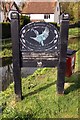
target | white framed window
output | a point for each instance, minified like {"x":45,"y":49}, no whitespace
{"x":46,"y":16}
{"x":57,"y":8}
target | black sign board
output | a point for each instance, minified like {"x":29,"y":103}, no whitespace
{"x":39,"y":37}
{"x":39,"y":44}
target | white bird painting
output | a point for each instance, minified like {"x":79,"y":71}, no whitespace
{"x":41,"y":37}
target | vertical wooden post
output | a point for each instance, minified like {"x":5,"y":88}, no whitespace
{"x":16,"y":53}
{"x":63,"y":52}
{"x":0,"y":61}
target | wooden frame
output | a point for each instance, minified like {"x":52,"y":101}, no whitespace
{"x":18,"y":62}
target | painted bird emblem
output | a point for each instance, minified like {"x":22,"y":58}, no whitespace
{"x":41,"y":37}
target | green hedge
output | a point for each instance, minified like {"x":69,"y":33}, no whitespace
{"x":55,"y":24}
{"x":6,"y":31}
{"x":24,"y":20}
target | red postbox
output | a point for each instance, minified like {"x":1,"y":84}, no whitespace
{"x":70,"y":62}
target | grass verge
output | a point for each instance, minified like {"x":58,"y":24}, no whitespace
{"x":40,"y":98}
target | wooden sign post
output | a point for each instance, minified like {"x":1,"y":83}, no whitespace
{"x":39,"y":44}
{"x":63,"y":53}
{"x":16,"y":53}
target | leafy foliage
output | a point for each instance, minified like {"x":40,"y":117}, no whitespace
{"x":6,"y":32}
{"x":73,"y":9}
{"x":74,"y":36}
{"x":24,"y":20}
{"x":6,"y":53}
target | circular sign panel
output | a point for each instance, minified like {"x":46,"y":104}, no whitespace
{"x":39,"y":36}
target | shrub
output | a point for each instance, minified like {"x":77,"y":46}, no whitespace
{"x":76,"y":24}
{"x":24,"y":20}
{"x":6,"y":31}
{"x":56,"y":25}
